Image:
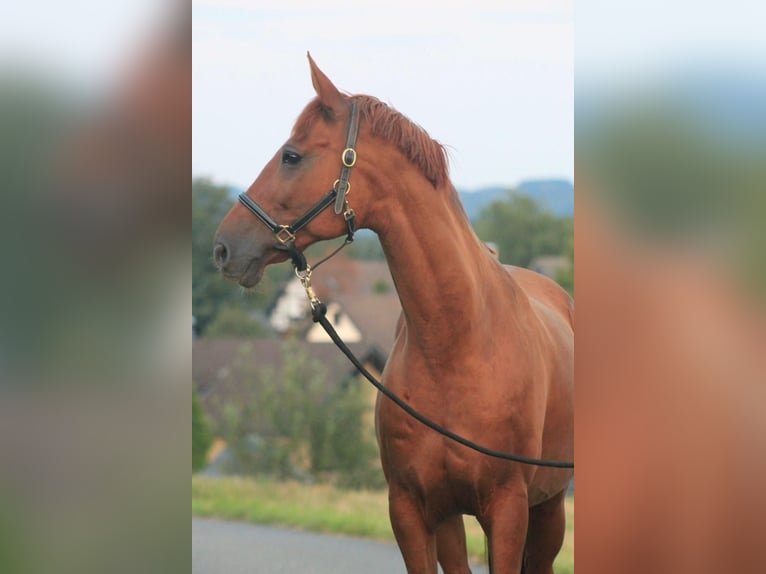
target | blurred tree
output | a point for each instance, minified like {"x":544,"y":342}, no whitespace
{"x":381,"y":287}
{"x":688,"y":169}
{"x":522,"y":229}
{"x":300,"y":425}
{"x":210,"y":203}
{"x":351,"y":450}
{"x":210,"y":292}
{"x":233,"y":321}
{"x":366,"y":246}
{"x":200,"y":435}
{"x":565,"y":278}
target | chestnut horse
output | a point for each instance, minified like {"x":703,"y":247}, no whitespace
{"x":482,"y":349}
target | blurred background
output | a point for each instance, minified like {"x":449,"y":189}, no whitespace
{"x":281,"y":415}
{"x":95,"y":357}
{"x":669,"y":243}
{"x":96,"y":333}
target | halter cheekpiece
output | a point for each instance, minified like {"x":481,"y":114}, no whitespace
{"x":337,"y":196}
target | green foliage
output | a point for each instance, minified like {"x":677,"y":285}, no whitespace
{"x":380,"y":287}
{"x":200,"y":435}
{"x":210,"y":292}
{"x":366,"y":247}
{"x":565,"y":278}
{"x":316,"y":507}
{"x":349,"y":450}
{"x":324,"y":508}
{"x":672,"y":174}
{"x":664,"y":169}
{"x":210,"y":203}
{"x":299,"y":426}
{"x":233,"y":321}
{"x":522,"y":229}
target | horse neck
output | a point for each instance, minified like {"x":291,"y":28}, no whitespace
{"x":444,"y":275}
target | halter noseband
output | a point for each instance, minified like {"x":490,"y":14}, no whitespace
{"x":285,"y":234}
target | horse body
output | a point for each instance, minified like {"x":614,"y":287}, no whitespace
{"x":487,"y":352}
{"x":481,"y":349}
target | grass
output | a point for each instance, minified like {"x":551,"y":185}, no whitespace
{"x":324,"y":508}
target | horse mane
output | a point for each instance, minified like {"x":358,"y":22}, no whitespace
{"x":428,"y":155}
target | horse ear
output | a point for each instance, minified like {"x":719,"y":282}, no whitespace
{"x":328,"y":94}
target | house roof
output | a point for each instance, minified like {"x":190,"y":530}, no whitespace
{"x":372,"y":321}
{"x":375,"y":315}
{"x":365,"y":292}
{"x":343,"y":276}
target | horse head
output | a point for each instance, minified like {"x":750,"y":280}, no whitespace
{"x":306,"y":185}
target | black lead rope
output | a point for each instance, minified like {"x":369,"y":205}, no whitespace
{"x":319,"y":312}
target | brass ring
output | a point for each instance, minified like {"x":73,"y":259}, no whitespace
{"x":343,"y":157}
{"x":348,"y":186}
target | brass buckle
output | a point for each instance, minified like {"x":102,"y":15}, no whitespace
{"x":348,"y":186}
{"x":287,"y":237}
{"x":343,"y":157}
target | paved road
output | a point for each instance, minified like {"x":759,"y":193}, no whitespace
{"x":234,"y":548}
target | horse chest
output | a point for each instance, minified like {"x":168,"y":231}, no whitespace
{"x":475,"y":395}
{"x":443,"y":475}
{"x":482,"y":401}
{"x":423,"y":460}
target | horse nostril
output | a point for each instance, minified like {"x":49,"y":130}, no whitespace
{"x":220,"y":254}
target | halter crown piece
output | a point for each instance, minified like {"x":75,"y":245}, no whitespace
{"x":338,"y":195}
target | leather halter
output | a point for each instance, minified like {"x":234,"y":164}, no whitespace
{"x":285,"y":234}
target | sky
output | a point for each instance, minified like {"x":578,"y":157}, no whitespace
{"x":81,"y":43}
{"x":622,"y":42}
{"x":492,"y":80}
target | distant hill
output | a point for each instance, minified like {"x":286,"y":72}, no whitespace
{"x":556,"y":194}
{"x":475,"y":201}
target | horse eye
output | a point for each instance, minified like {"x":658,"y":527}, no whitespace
{"x":290,"y":157}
